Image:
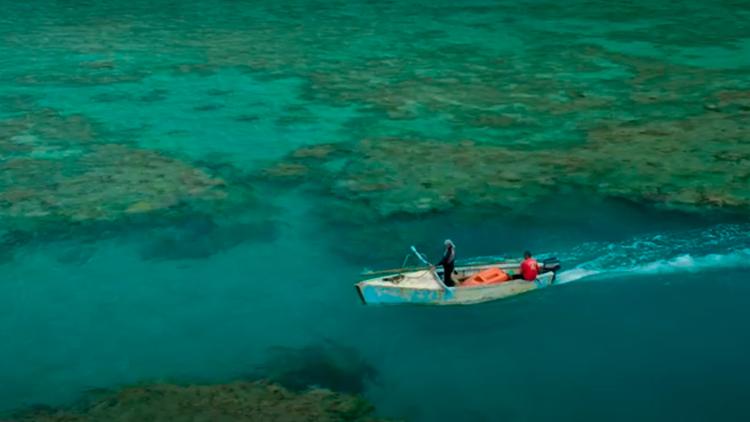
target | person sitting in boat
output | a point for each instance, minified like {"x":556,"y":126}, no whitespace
{"x":448,"y":263}
{"x":529,"y":267}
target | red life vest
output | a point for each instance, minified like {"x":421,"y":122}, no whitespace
{"x":529,"y":269}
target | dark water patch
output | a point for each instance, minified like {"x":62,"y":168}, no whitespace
{"x":17,"y":102}
{"x":247,"y":118}
{"x":201,"y":236}
{"x":327,"y":364}
{"x":154,"y":95}
{"x":85,"y":78}
{"x":111,"y":97}
{"x":75,"y":253}
{"x":208,"y":107}
{"x":295,"y":115}
{"x":554,"y":224}
{"x":616,"y":349}
{"x":181,"y":232}
{"x":219,"y":92}
{"x":200,"y":69}
{"x":177,"y":234}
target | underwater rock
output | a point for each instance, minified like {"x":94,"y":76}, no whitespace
{"x":328,"y":365}
{"x":237,"y":401}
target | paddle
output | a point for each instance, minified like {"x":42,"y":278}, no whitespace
{"x":403,"y":267}
{"x":432,"y":267}
{"x":420,"y":256}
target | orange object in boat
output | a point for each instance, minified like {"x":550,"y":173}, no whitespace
{"x":488,"y":276}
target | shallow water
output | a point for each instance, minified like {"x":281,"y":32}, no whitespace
{"x":197,"y":270}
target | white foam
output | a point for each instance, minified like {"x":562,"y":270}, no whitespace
{"x":677,"y":264}
{"x":688,"y":263}
{"x":708,"y":249}
{"x":575,"y":274}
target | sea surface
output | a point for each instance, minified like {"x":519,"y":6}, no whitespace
{"x":187,"y":187}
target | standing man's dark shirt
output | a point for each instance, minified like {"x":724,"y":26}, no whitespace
{"x":448,"y":263}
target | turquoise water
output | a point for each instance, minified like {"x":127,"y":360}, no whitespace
{"x":187,"y":186}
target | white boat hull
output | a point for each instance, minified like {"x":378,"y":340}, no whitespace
{"x":423,"y":287}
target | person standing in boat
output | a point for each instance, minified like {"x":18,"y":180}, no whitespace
{"x":448,"y":263}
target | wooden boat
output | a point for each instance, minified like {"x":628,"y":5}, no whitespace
{"x":424,"y":286}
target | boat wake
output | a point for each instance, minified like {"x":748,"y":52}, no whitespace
{"x":723,"y":246}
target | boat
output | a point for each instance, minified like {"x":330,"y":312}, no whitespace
{"x":424,"y":285}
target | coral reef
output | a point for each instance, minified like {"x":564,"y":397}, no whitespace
{"x":697,"y":161}
{"x":657,"y":161}
{"x":537,"y":122}
{"x":64,"y":173}
{"x":109,"y":181}
{"x":58,"y":166}
{"x":237,"y":401}
{"x":449,"y":119}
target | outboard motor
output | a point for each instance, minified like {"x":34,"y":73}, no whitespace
{"x":550,"y":264}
